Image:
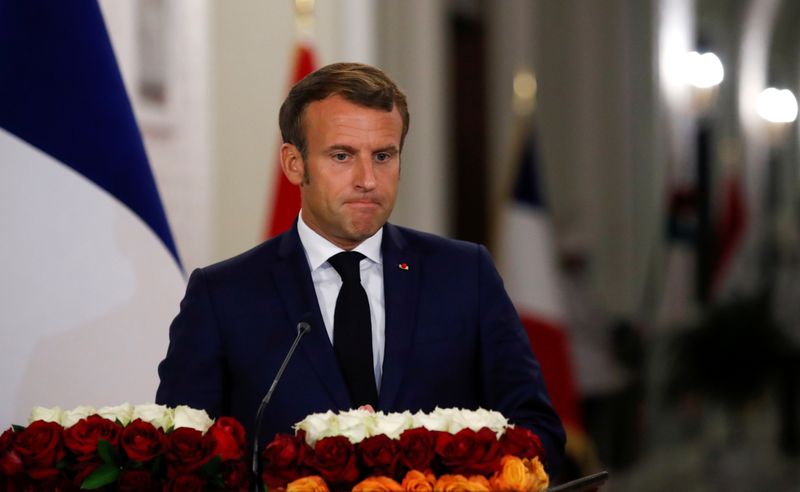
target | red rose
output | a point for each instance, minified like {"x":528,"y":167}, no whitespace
{"x":40,"y":446}
{"x":283,"y":460}
{"x":334,"y":459}
{"x":417,"y":448}
{"x":187,"y":450}
{"x":470,"y":453}
{"x":229,"y":437}
{"x":82,"y":438}
{"x":379,"y":455}
{"x":236,"y":475}
{"x":521,"y":442}
{"x":186,"y":483}
{"x":137,"y":481}
{"x":10,"y":461}
{"x":142,"y":441}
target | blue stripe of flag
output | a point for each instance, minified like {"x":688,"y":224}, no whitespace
{"x":62,"y":92}
{"x":527,"y":187}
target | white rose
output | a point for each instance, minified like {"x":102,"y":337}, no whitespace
{"x":446,"y":414}
{"x":122,"y":413}
{"x":393,"y":424}
{"x":46,"y":414}
{"x":356,"y":425}
{"x":430,"y":421}
{"x":317,"y":426}
{"x":478,"y":419}
{"x":493,"y":420}
{"x":192,"y":418}
{"x":71,"y":417}
{"x":466,"y":419}
{"x":158,"y":415}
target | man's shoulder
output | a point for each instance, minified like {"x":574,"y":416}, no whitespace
{"x":255,"y":259}
{"x":428,"y":243}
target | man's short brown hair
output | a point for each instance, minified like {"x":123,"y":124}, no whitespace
{"x":360,"y":84}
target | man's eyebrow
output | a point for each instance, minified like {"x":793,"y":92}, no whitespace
{"x":391,"y":149}
{"x":346,"y":148}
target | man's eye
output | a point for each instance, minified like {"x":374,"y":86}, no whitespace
{"x":340,"y":156}
{"x":383,"y":156}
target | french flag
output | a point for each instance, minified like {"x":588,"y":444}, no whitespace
{"x":286,"y":202}
{"x":91,"y":275}
{"x":531,"y":278}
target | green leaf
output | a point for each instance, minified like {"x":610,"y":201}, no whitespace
{"x":107,"y":453}
{"x":18,"y":428}
{"x":103,"y":475}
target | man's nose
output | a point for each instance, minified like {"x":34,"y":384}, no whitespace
{"x":365,"y":174}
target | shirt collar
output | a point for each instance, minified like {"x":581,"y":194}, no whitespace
{"x":318,"y":249}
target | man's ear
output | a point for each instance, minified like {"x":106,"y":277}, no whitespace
{"x":292,"y":164}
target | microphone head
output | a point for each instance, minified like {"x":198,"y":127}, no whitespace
{"x":303,"y":327}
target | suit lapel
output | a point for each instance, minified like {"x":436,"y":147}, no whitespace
{"x":401,"y":271}
{"x":293,"y":281}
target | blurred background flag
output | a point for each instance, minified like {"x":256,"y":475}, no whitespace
{"x":91,"y":272}
{"x":531,"y":277}
{"x":730,"y":228}
{"x":286,"y":196}
{"x":529,"y":259}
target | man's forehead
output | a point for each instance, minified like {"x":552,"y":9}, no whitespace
{"x":335,"y":115}
{"x":336,"y":103}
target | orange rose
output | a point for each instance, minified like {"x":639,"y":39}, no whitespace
{"x":378,"y":484}
{"x":513,"y":475}
{"x":314,"y":483}
{"x":478,"y":483}
{"x":452,"y":483}
{"x":520,"y":475}
{"x":416,"y":481}
{"x":539,"y":479}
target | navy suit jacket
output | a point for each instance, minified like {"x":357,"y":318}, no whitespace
{"x":453,"y":339}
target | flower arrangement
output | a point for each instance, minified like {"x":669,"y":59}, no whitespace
{"x":447,"y":449}
{"x":153,"y":447}
{"x":143,"y":447}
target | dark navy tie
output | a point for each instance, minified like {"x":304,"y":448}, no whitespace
{"x":352,"y":330}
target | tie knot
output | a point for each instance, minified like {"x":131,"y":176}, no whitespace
{"x":346,"y":264}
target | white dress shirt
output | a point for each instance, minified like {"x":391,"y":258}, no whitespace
{"x":327,"y":284}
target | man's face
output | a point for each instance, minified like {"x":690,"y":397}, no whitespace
{"x":352,"y":169}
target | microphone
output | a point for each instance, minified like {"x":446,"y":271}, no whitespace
{"x":303,"y":327}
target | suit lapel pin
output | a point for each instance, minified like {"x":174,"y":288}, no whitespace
{"x":403,"y":266}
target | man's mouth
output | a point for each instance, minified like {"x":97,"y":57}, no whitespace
{"x":363,"y":203}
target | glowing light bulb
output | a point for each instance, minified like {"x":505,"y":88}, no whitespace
{"x":777,"y":105}
{"x":702,"y":70}
{"x":524,"y":92}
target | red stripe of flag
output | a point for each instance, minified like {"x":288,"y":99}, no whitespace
{"x":286,"y":196}
{"x":551,"y":345}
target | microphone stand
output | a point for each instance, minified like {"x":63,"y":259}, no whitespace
{"x":303,"y":327}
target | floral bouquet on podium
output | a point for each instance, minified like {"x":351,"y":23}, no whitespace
{"x":131,"y":448}
{"x":152,"y":447}
{"x":447,"y":449}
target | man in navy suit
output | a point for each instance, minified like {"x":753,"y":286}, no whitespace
{"x":435,"y":325}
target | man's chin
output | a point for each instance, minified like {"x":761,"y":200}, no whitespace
{"x":362,"y":232}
